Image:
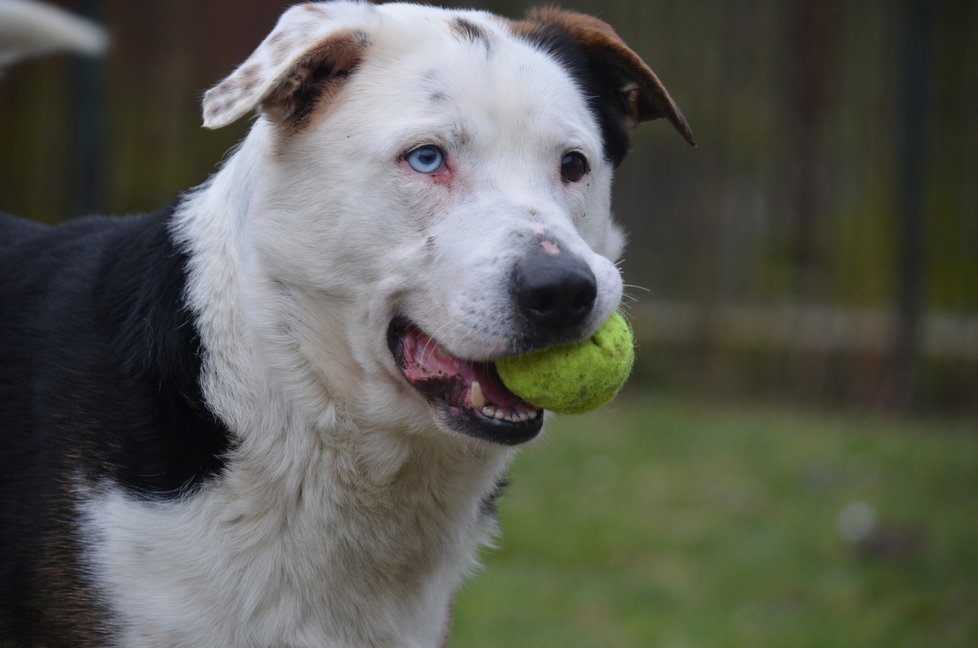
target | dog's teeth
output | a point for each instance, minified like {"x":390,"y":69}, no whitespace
{"x":515,"y":415}
{"x":478,"y":400}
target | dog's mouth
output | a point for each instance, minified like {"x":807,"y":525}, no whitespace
{"x":471,"y":397}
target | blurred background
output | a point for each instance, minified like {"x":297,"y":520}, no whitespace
{"x":795,"y":461}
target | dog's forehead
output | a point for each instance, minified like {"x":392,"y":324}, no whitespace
{"x":439,"y":62}
{"x":471,"y":46}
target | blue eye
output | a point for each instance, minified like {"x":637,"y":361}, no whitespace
{"x":426,"y":159}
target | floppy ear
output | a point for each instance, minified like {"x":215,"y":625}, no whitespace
{"x":305,"y":59}
{"x":628,"y":90}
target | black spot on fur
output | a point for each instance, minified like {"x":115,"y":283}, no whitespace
{"x":469,"y":31}
{"x":490,"y":502}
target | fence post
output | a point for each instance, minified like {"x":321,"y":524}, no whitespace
{"x":914,"y":113}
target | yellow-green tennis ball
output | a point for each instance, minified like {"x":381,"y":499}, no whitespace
{"x":575,"y":378}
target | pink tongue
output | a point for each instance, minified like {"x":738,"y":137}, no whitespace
{"x":426,"y":363}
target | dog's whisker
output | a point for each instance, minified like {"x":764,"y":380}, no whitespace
{"x":435,"y":337}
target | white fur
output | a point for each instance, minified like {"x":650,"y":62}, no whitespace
{"x":347,"y":515}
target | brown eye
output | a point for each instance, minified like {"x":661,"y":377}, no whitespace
{"x":573,"y":167}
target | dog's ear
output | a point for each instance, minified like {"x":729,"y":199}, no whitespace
{"x":627,"y":90}
{"x":305,"y":59}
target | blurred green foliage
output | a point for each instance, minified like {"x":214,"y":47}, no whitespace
{"x":673,"y":522}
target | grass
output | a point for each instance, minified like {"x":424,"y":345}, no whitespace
{"x":665,"y":522}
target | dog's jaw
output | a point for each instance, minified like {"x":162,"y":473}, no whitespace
{"x":467,"y":396}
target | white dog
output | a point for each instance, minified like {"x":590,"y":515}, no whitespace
{"x":269,"y":415}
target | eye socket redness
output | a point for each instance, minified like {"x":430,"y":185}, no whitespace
{"x":573,"y":167}
{"x":427,"y":159}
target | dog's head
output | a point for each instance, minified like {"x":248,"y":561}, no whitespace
{"x":435,"y":194}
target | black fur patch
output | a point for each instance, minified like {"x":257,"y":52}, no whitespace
{"x":600,"y":84}
{"x":100,"y":356}
{"x":490,"y":503}
{"x":469,"y":31}
{"x":99,"y":384}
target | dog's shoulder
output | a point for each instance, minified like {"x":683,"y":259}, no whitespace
{"x":100,"y":352}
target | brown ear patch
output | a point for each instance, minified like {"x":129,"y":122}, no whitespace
{"x":312,"y":48}
{"x":314,"y":80}
{"x":622,"y":90}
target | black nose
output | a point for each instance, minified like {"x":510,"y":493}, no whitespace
{"x":554,"y":292}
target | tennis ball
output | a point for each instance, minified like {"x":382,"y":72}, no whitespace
{"x":575,"y":378}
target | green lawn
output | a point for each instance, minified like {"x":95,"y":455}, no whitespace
{"x":666,"y":522}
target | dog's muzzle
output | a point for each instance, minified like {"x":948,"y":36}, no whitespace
{"x":553,"y":295}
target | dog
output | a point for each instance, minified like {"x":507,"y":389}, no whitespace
{"x":269,"y":415}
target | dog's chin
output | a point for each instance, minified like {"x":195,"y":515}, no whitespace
{"x":468,"y":396}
